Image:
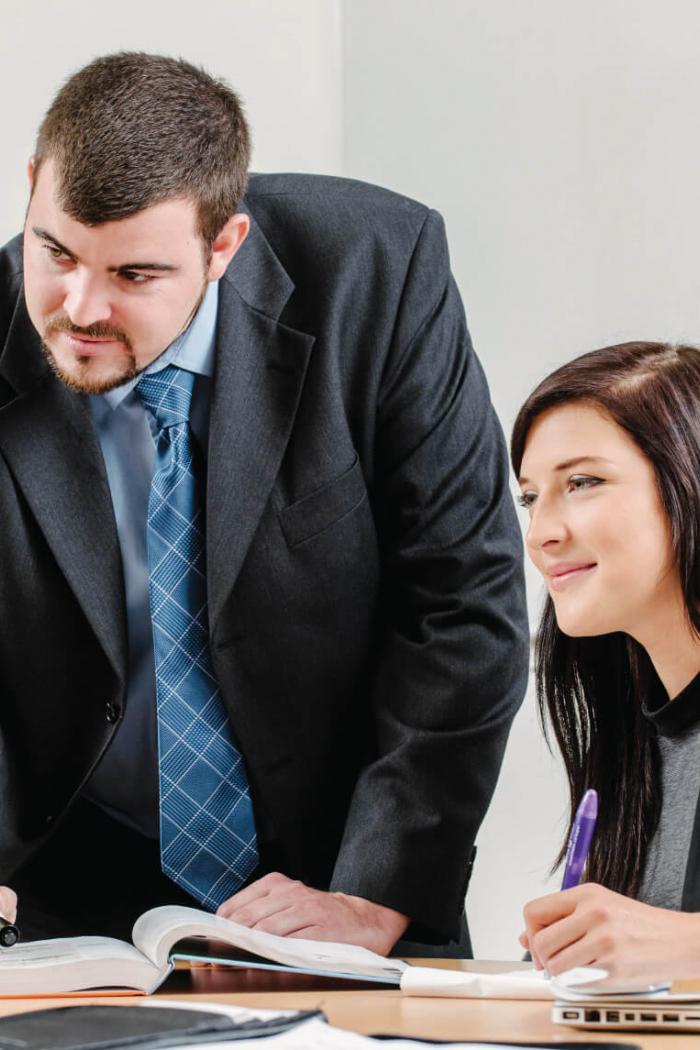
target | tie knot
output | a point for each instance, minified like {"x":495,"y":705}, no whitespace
{"x":168,"y":395}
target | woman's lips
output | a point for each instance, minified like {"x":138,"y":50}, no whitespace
{"x":561,"y":576}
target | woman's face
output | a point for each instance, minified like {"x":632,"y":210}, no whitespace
{"x":598,"y":533}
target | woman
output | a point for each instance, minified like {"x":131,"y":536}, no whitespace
{"x":607,"y":453}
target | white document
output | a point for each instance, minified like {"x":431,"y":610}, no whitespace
{"x":317,"y":1035}
{"x":518,"y":984}
{"x":313,"y":1034}
{"x":236,"y":1013}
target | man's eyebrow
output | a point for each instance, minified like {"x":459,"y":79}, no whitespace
{"x":569,"y":463}
{"x":161,"y":267}
{"x":44,"y":235}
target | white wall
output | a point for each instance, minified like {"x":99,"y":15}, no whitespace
{"x":283,"y":58}
{"x":560,"y":140}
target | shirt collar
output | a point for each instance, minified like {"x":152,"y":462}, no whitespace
{"x":193,"y":349}
{"x":672,"y":717}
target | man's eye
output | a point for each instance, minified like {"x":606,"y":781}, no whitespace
{"x":135,"y":277}
{"x":54,"y":252}
{"x":578,"y":482}
{"x":526,"y":499}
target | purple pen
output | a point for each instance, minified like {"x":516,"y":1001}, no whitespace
{"x":580,"y":839}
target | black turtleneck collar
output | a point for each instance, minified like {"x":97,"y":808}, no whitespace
{"x":672,"y":717}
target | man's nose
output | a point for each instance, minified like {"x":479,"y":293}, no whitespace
{"x":547,"y":524}
{"x":86,"y":300}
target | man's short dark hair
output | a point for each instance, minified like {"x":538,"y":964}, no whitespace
{"x":132,"y":129}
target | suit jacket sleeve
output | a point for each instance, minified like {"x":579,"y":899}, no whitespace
{"x":452,"y":668}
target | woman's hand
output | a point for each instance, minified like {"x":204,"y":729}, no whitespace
{"x":590,"y":925}
{"x":8,"y":904}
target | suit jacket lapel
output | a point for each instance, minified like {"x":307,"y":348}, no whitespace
{"x":49,"y":442}
{"x":260,"y":369}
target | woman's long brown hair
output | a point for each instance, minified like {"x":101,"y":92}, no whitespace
{"x":591,"y":689}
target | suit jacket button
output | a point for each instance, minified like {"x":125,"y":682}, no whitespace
{"x":113,"y":712}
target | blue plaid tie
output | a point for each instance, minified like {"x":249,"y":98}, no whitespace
{"x":207,"y":831}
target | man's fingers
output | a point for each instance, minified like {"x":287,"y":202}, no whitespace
{"x":256,"y":911}
{"x":288,"y":908}
{"x":256,"y":891}
{"x":287,"y":923}
{"x":8,"y":903}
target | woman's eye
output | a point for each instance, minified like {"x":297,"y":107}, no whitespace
{"x":526,"y":499}
{"x":582,"y":481}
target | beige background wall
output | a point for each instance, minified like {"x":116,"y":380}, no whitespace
{"x":283,"y":56}
{"x":560,"y":140}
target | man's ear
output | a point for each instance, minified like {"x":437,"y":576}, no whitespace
{"x":228,"y":241}
{"x":30,"y":171}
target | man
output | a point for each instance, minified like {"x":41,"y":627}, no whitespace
{"x":260,"y":582}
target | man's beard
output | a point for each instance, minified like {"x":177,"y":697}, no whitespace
{"x":82,"y":381}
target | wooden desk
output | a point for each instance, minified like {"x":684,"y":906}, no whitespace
{"x":372,"y":1009}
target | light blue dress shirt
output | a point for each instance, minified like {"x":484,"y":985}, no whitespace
{"x":125,"y":783}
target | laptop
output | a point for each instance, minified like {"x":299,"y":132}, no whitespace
{"x":629,"y":1014}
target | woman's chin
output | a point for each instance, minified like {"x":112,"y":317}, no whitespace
{"x":586,"y":628}
{"x":578,"y":625}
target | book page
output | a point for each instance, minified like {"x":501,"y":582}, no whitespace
{"x":62,"y":951}
{"x":158,"y":930}
{"x":67,"y":964}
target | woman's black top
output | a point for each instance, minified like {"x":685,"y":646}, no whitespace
{"x":672,"y":870}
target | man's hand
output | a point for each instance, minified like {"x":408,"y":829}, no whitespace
{"x":276,"y":904}
{"x":8,"y":904}
{"x":590,"y":925}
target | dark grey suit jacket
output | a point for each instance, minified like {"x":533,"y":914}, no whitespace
{"x":364,"y":564}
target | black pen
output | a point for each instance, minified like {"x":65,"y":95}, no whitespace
{"x":9,"y":933}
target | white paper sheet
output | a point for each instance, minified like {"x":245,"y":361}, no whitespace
{"x":316,"y":1035}
{"x":518,"y":984}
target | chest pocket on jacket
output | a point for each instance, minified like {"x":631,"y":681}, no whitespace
{"x":319,"y":510}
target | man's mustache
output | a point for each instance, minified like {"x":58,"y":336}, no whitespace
{"x":98,"y":330}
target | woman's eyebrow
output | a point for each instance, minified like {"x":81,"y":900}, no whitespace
{"x":569,"y":463}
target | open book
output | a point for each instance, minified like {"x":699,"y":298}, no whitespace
{"x":76,"y":963}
